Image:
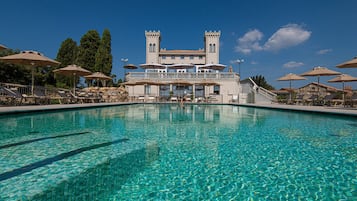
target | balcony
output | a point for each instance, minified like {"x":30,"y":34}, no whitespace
{"x":189,"y":76}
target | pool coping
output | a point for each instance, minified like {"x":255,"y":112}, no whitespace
{"x":43,"y":108}
{"x":309,"y":109}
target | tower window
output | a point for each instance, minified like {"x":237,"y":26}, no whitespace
{"x":172,"y":57}
{"x":182,"y":57}
{"x":154,"y":48}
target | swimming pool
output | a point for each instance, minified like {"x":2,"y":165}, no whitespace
{"x":166,"y":152}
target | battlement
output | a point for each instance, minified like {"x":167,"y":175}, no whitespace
{"x":213,"y":33}
{"x":152,"y":33}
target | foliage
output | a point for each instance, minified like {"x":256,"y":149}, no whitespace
{"x":260,"y":81}
{"x":103,"y":57}
{"x":93,"y":54}
{"x":67,"y":55}
{"x":87,"y":50}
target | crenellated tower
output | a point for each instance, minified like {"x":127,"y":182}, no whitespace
{"x":211,"y":41}
{"x":153,"y":39}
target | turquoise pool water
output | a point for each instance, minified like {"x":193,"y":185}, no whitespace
{"x":165,"y":152}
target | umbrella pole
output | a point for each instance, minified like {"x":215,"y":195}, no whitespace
{"x":74,"y":85}
{"x":343,"y":94}
{"x":290,"y":92}
{"x":32,"y":80}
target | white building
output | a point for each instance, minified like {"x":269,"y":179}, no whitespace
{"x":192,"y":75}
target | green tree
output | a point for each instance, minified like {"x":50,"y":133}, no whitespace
{"x":103,"y":57}
{"x":260,"y":81}
{"x":87,"y":50}
{"x":67,"y":55}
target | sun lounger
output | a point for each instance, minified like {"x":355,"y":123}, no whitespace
{"x":10,"y":97}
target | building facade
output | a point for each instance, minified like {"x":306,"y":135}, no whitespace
{"x":192,"y":75}
{"x":208,"y":55}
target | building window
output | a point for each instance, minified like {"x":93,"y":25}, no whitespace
{"x":214,"y":48}
{"x":150,"y":47}
{"x":182,"y":57}
{"x":210,"y":48}
{"x":200,"y":57}
{"x":147,"y":89}
{"x":154,"y":47}
{"x":216,"y":89}
{"x":191,"y":57}
{"x":164,"y":57}
{"x":172,"y":57}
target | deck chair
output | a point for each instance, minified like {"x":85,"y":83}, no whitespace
{"x":12,"y":96}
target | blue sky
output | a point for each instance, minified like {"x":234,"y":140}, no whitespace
{"x":273,"y":37}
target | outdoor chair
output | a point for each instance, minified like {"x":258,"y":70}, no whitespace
{"x":173,"y":99}
{"x":65,"y":97}
{"x":11,"y":97}
{"x":332,"y":100}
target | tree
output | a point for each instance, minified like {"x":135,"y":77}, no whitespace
{"x":87,"y":50}
{"x":67,"y":55}
{"x":103,"y":57}
{"x":260,"y":81}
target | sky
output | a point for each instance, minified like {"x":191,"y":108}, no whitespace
{"x":273,"y":37}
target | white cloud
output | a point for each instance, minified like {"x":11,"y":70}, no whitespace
{"x":323,"y":51}
{"x":287,"y":36}
{"x":292,"y":64}
{"x":254,"y":63}
{"x":249,"y":42}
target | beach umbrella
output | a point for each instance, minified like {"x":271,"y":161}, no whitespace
{"x":30,"y":59}
{"x":320,"y":71}
{"x":349,"y":64}
{"x":343,"y":78}
{"x":2,"y":47}
{"x":97,"y":76}
{"x":291,"y":77}
{"x":72,"y":70}
{"x":213,"y":66}
{"x":129,"y":66}
{"x":152,"y":66}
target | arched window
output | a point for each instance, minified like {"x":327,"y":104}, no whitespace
{"x":214,"y":48}
{"x":150,"y":47}
{"x":154,"y":47}
{"x":210,"y":48}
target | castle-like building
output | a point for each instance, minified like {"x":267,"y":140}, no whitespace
{"x":190,"y":75}
{"x":208,"y":55}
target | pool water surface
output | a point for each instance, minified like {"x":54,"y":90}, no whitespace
{"x":168,"y":152}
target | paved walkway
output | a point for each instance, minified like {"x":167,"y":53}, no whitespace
{"x":318,"y":109}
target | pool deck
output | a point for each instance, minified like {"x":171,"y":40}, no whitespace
{"x":315,"y":109}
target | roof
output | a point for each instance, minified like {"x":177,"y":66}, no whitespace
{"x":182,"y":52}
{"x":329,"y":88}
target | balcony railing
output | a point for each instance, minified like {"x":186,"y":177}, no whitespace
{"x":190,"y":76}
